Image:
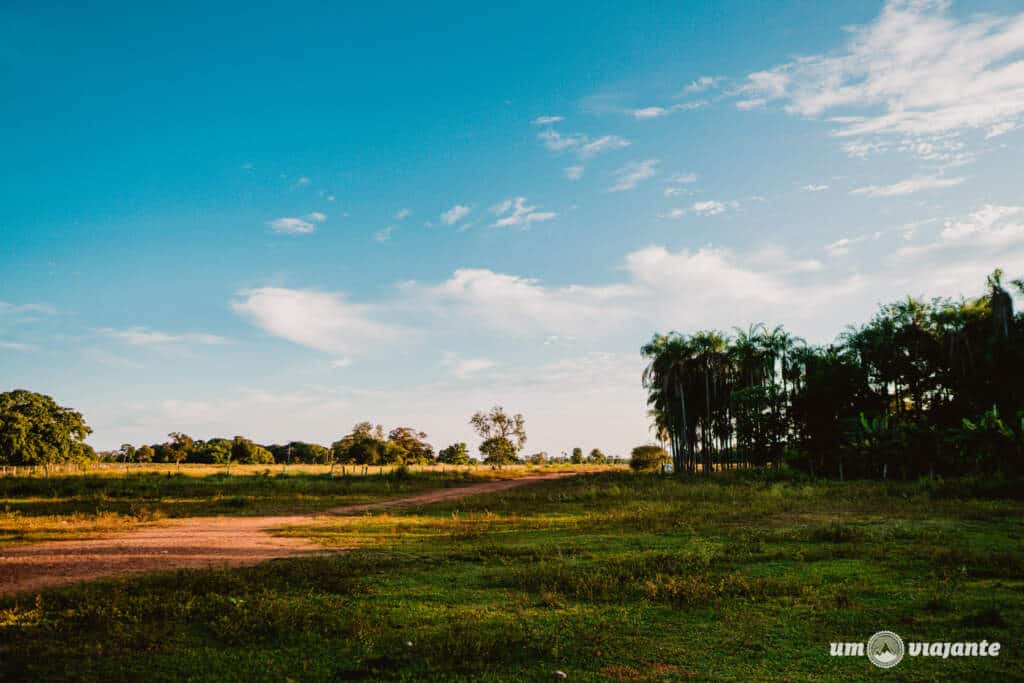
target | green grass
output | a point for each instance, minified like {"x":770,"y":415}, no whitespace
{"x":614,"y":576}
{"x":79,"y":505}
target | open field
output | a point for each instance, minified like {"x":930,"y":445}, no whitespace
{"x":203,"y":542}
{"x":611,"y":577}
{"x":109,"y":498}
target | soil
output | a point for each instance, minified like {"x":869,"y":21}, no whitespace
{"x":194,"y":542}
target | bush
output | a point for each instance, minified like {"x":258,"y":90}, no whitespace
{"x":648,"y":458}
{"x":456,"y":454}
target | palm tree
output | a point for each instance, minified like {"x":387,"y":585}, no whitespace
{"x":666,"y":377}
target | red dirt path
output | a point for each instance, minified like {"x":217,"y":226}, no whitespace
{"x":194,"y":542}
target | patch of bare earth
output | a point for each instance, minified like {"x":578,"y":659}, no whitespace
{"x":194,"y":542}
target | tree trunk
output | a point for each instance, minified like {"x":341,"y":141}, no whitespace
{"x":686,"y":426}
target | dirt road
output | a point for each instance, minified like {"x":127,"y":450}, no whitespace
{"x":194,"y":542}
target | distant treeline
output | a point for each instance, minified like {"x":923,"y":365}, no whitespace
{"x":925,"y":388}
{"x":36,"y":431}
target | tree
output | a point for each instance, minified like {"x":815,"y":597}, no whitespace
{"x":648,"y":458}
{"x":538,"y":458}
{"x":498,"y":451}
{"x":455,"y":454}
{"x":577,"y":456}
{"x":246,"y":452}
{"x":409,"y":446}
{"x":919,"y":389}
{"x":35,"y":430}
{"x":596,"y":457}
{"x":145,"y":454}
{"x":365,"y":445}
{"x":496,"y":423}
{"x":127,"y":454}
{"x":179,"y":448}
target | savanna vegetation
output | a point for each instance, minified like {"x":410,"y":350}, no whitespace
{"x":874,"y":483}
{"x":615,"y":576}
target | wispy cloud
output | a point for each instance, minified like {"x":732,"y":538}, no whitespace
{"x":677,"y":184}
{"x":18,"y":309}
{"x":701,"y":84}
{"x":574,"y":172}
{"x":141,"y":336}
{"x":657,"y":112}
{"x":649,"y":112}
{"x":515,"y":212}
{"x":546,"y":120}
{"x":634,"y":173}
{"x":584,"y":146}
{"x":402,"y":214}
{"x":908,"y":186}
{"x":15,"y":346}
{"x":602,"y":144}
{"x":455,"y":214}
{"x":292,"y":226}
{"x":814,"y":188}
{"x":915,"y":72}
{"x":384,"y":234}
{"x":709,"y":207}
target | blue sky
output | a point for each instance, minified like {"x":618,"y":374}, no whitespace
{"x":279,"y":221}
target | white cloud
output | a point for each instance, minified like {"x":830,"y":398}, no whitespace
{"x":455,"y":214}
{"x":814,"y":188}
{"x":317,"y":217}
{"x":990,"y":225}
{"x":755,"y":103}
{"x":841,"y":247}
{"x":546,"y":120}
{"x":574,"y":172}
{"x":384,"y":234}
{"x":519,"y":306}
{"x":916,"y":71}
{"x":676,"y":182}
{"x":292,"y":226}
{"x":709,"y":207}
{"x":324,"y":321}
{"x":634,"y":173}
{"x":15,"y":346}
{"x":649,"y":112}
{"x":557,"y":142}
{"x":19,"y":309}
{"x":403,"y":214}
{"x":701,"y":84}
{"x":1001,"y":129}
{"x":656,"y":112}
{"x":584,"y":146}
{"x":513,"y":212}
{"x":140,"y":336}
{"x":602,"y":144}
{"x":908,"y":186}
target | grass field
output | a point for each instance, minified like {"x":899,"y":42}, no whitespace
{"x":614,"y":576}
{"x":110,"y":498}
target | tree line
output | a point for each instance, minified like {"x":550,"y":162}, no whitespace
{"x":924,"y":388}
{"x":37,"y":432}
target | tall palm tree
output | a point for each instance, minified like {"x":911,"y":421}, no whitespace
{"x":666,"y":376}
